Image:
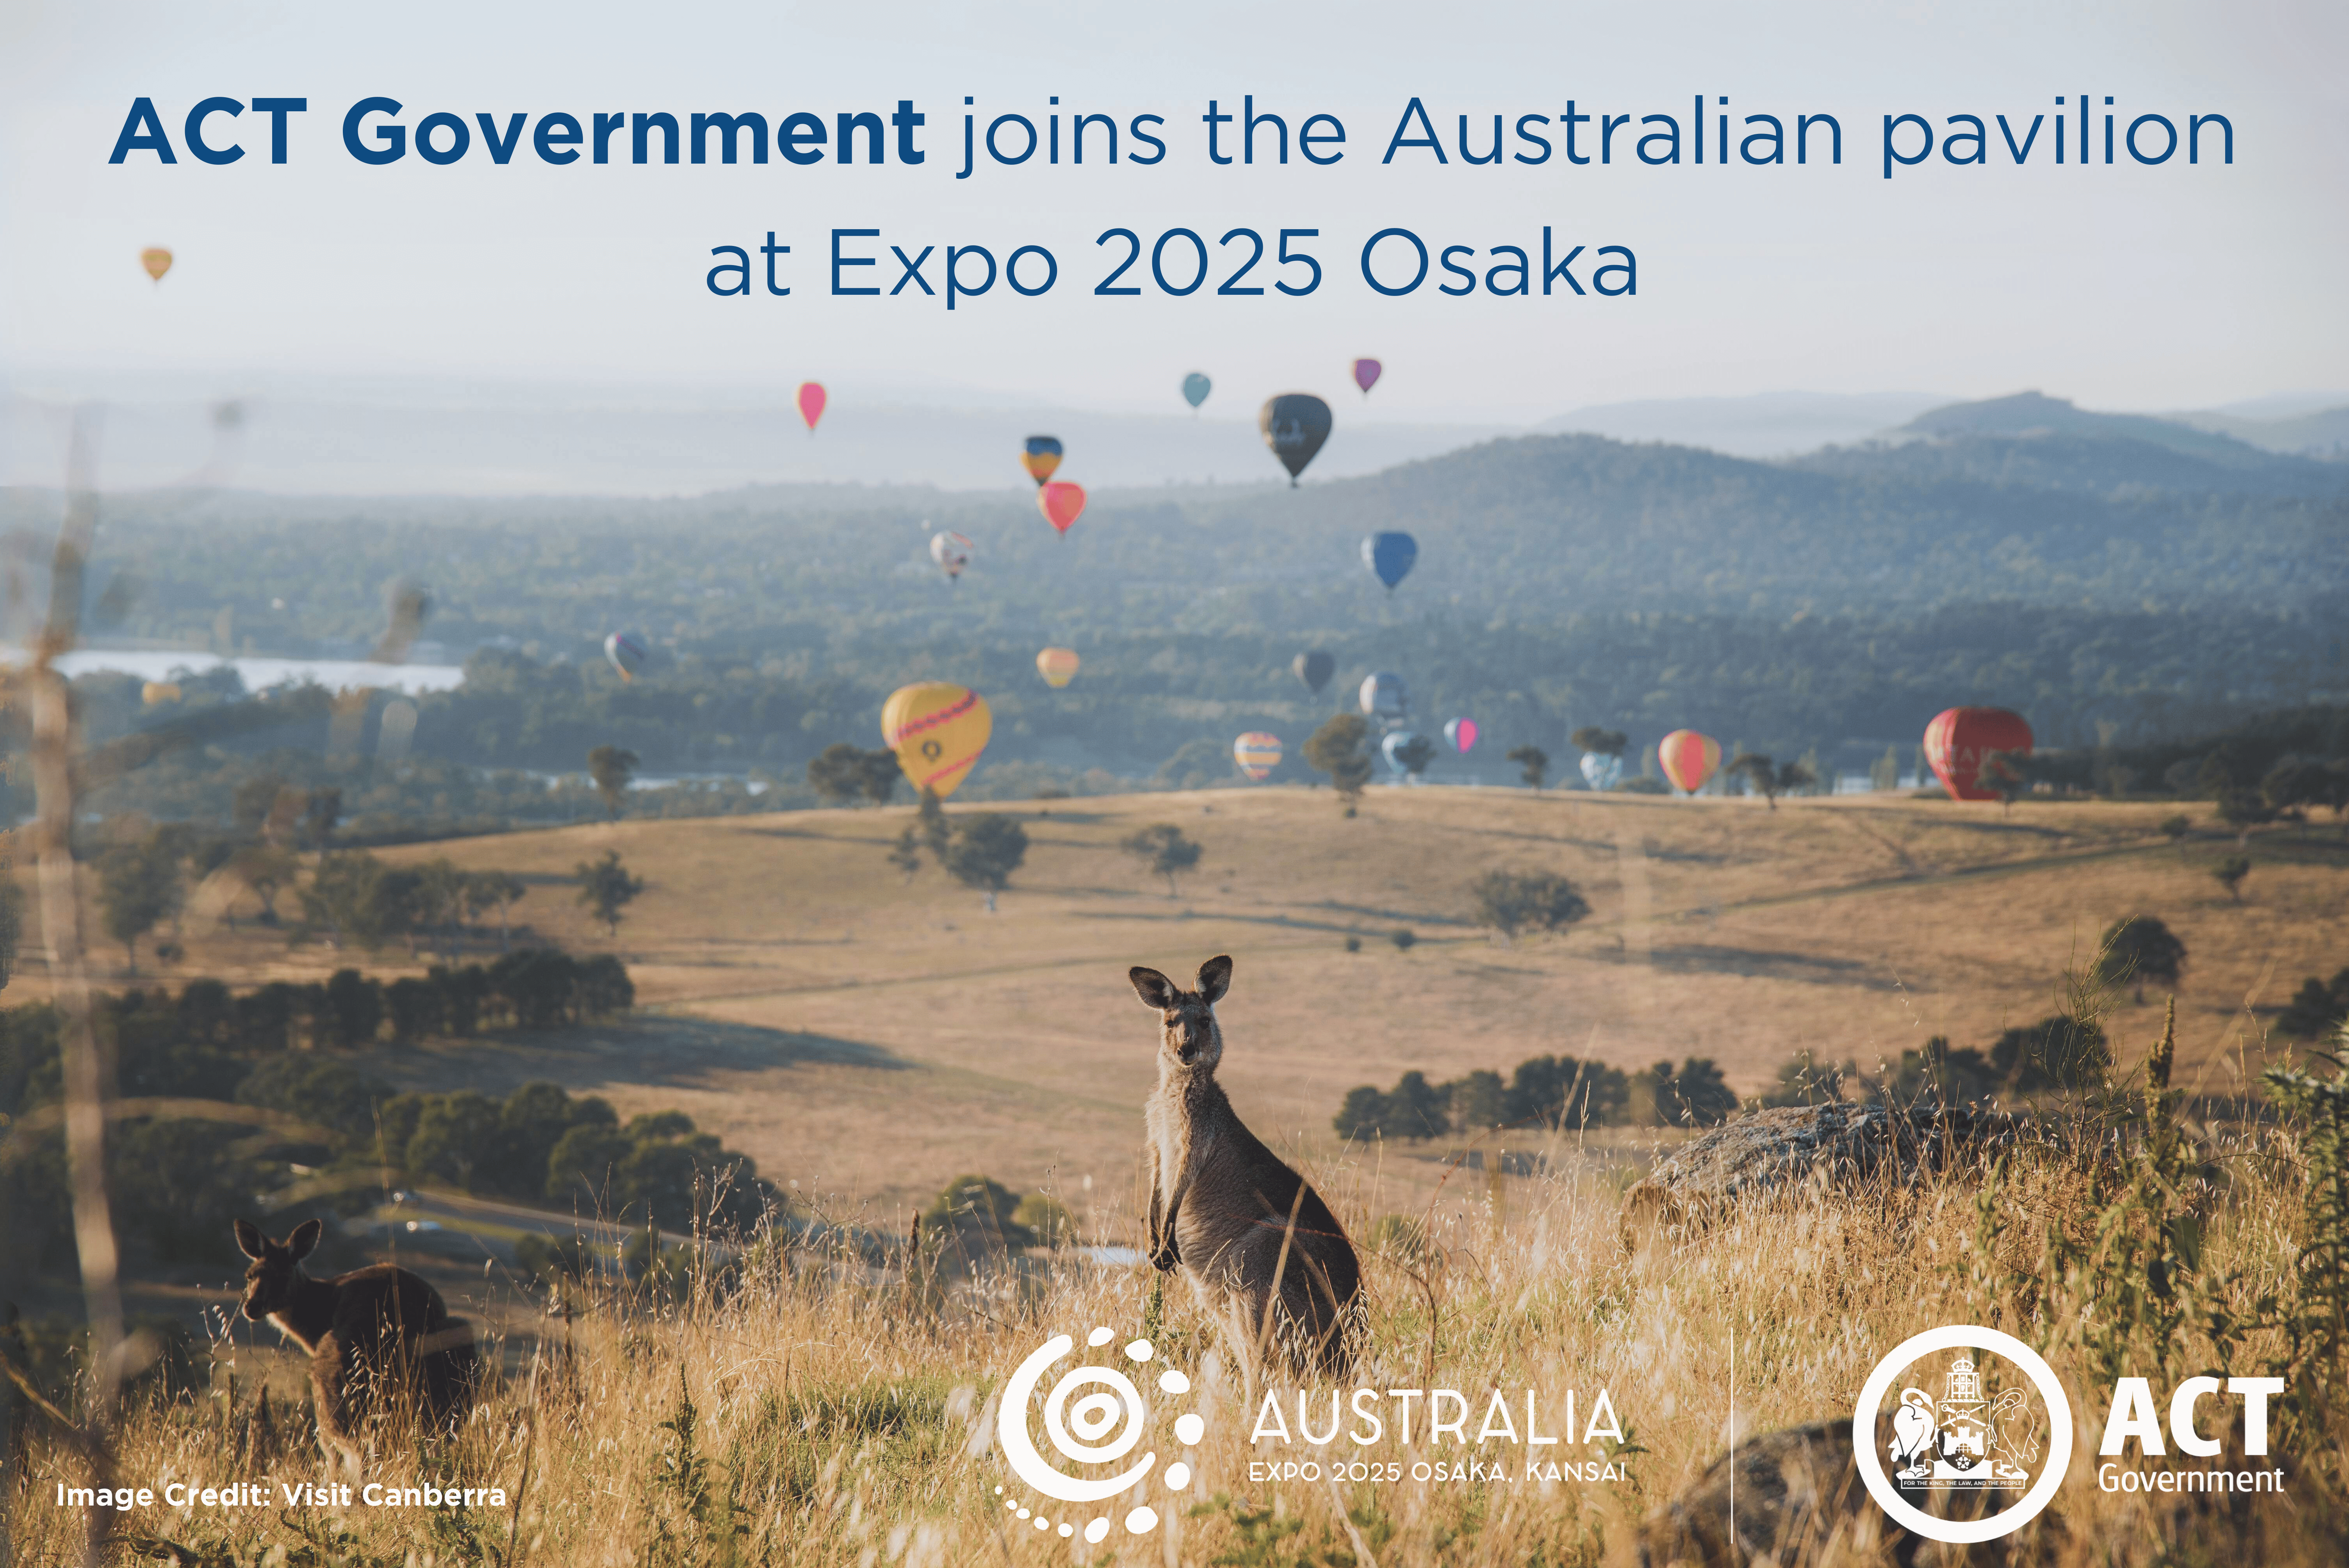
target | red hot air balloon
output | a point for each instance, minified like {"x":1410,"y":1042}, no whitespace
{"x":1960,"y":740}
{"x":1688,"y":758}
{"x":1366,"y":374}
{"x":1062,"y":503}
{"x":812,"y":401}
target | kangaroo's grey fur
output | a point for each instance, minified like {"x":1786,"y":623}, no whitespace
{"x":1263,"y":1252}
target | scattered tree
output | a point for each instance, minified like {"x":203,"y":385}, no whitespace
{"x":2136,"y":949}
{"x":138,"y":889}
{"x":1164,"y":850}
{"x":606,"y":889}
{"x":1403,"y":938}
{"x":2317,"y":1009}
{"x":499,"y":891}
{"x":908,"y":856}
{"x":1046,"y":1219}
{"x":1770,"y":780}
{"x":976,"y":1215}
{"x":1340,"y":748}
{"x":937,"y":831}
{"x":1884,"y":773}
{"x":1532,"y":763}
{"x":984,"y":852}
{"x":354,"y":1009}
{"x":2230,"y":874}
{"x":322,"y":812}
{"x":2007,"y":774}
{"x":1695,"y":1096}
{"x":612,"y":768}
{"x":838,"y":772}
{"x":879,"y":776}
{"x":1600,"y":740}
{"x":2177,"y":827}
{"x":1511,"y":901}
{"x":12,"y":927}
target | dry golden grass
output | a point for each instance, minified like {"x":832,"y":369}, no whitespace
{"x":868,"y":1038}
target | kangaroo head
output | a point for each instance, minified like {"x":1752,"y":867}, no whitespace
{"x":1188,"y":1034}
{"x":269,"y":1279}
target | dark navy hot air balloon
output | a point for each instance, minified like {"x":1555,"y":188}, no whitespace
{"x":1314,"y":667}
{"x":1293,"y":426}
{"x":1389,"y":556}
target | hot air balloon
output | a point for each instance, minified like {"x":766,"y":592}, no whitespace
{"x":1062,"y":503}
{"x":1057,"y":665}
{"x":628,"y":653}
{"x":812,"y":402}
{"x":1195,"y":389}
{"x":1959,"y":741}
{"x":1383,"y":695}
{"x":1601,"y":769}
{"x":154,"y":693}
{"x":937,"y":730}
{"x":1257,"y":753}
{"x":1293,"y":425}
{"x":951,"y":552}
{"x":1462,"y":734}
{"x":1393,"y":747}
{"x":1389,"y":556}
{"x":1688,"y":758}
{"x":156,"y":260}
{"x":1314,"y":666}
{"x":1042,"y":455}
{"x":1366,"y":374}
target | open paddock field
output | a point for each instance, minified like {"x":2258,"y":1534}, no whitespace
{"x":866,"y":1037}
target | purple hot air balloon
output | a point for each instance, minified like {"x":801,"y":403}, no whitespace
{"x":1366,"y":374}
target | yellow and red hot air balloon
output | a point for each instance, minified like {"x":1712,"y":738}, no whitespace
{"x":1057,"y":665}
{"x":1257,"y":753}
{"x":156,"y":260}
{"x":1688,"y":758}
{"x":937,"y":730}
{"x":1062,"y":503}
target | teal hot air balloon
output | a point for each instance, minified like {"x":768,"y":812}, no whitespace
{"x":1389,"y":556}
{"x":628,"y":653}
{"x":1293,"y":425}
{"x":1195,"y":389}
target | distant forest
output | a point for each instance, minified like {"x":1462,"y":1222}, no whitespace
{"x":2119,"y":592}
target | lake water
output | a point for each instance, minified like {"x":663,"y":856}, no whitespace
{"x":157,"y":664}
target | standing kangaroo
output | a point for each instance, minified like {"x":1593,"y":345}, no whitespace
{"x":380,"y":1340}
{"x":1264,"y":1253}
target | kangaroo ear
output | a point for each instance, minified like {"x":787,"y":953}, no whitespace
{"x":1155,"y":989}
{"x":249,"y":1240}
{"x":305,"y":1239}
{"x":1215,"y":978}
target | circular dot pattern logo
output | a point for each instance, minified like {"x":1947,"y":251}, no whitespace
{"x":1962,"y":1425}
{"x":1094,"y":1415}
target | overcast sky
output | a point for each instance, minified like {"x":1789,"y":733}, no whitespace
{"x":2123,"y":286}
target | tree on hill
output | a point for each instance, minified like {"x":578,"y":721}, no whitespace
{"x":1340,"y":748}
{"x":984,"y":852}
{"x":838,"y":772}
{"x":937,"y":830}
{"x":1600,"y":740}
{"x":1771,"y":781}
{"x":908,"y":855}
{"x":612,"y":766}
{"x":322,"y":812}
{"x":1695,"y":1096}
{"x":1534,"y":763}
{"x":2136,"y":949}
{"x":2230,"y":874}
{"x":878,"y":775}
{"x":12,"y":929}
{"x":974,"y":1215}
{"x":346,"y":899}
{"x":1163,"y":850}
{"x":138,"y":889}
{"x":606,"y":889}
{"x":1511,"y":901}
{"x":499,"y":891}
{"x":2317,"y":1008}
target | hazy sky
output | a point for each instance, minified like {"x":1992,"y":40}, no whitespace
{"x":2123,"y":286}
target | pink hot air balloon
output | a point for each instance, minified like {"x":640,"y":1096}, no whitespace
{"x":1366,"y":374}
{"x":812,"y":401}
{"x":1062,"y":503}
{"x":1462,"y":733}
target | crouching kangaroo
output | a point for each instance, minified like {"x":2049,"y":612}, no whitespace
{"x":380,"y":1340}
{"x":1263,"y":1252}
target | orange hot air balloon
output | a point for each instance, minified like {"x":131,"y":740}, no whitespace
{"x":1257,"y":753}
{"x":1962,"y":739}
{"x":1688,"y":758}
{"x":812,"y":401}
{"x":1040,"y":456}
{"x":156,"y":260}
{"x":937,"y":730}
{"x":1061,"y":504}
{"x":1057,"y":665}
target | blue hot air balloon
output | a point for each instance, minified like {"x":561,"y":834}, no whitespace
{"x":1382,"y":696}
{"x":1195,"y":389}
{"x":1389,"y":556}
{"x":1600,"y":771}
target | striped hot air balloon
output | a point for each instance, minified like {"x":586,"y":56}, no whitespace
{"x":1057,"y":665}
{"x":628,"y":653}
{"x":1257,"y":753}
{"x":937,"y":730}
{"x":1688,"y":758}
{"x":1040,"y":456}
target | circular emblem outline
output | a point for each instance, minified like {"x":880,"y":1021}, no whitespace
{"x":1962,"y":1531}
